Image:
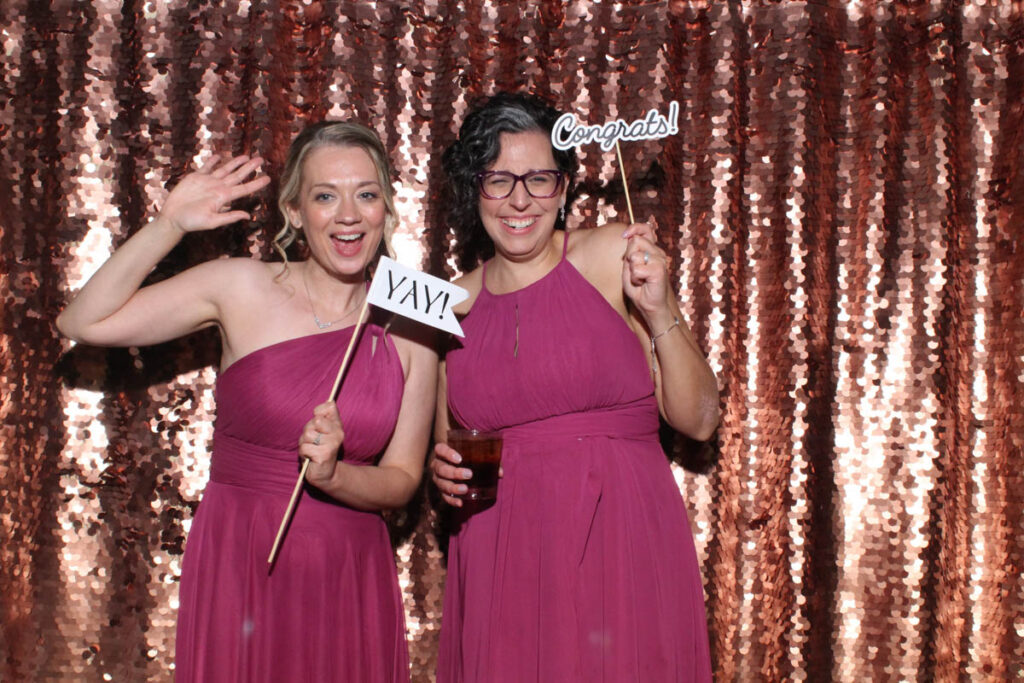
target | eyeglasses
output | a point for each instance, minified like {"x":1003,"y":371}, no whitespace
{"x":539,"y":184}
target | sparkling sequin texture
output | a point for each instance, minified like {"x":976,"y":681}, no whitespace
{"x":843,"y":205}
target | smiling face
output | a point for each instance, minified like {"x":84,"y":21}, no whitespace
{"x":340,"y":207}
{"x":521,"y":225}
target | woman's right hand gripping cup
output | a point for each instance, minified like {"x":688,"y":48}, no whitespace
{"x":467,"y":468}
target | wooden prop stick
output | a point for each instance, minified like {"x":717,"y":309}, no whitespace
{"x":288,"y":513}
{"x":348,"y":351}
{"x":305,"y":463}
{"x":625,"y":185}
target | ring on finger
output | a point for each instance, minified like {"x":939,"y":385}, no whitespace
{"x":316,"y":441}
{"x":647,"y":258}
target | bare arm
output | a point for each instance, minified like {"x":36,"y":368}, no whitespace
{"x":394,"y":479}
{"x":444,"y":462}
{"x":441,"y":422}
{"x":111,"y":310}
{"x":684,"y":384}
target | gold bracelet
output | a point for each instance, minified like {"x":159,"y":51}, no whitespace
{"x":656,"y":337}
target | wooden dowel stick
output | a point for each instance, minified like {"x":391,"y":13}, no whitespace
{"x":348,"y":351}
{"x":288,"y":512}
{"x":625,"y":185}
{"x":297,"y":491}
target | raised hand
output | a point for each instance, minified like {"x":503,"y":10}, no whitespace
{"x":202,"y":200}
{"x":645,"y":273}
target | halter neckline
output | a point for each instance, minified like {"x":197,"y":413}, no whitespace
{"x":561,"y":260}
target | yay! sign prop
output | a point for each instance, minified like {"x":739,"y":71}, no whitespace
{"x":424,"y":298}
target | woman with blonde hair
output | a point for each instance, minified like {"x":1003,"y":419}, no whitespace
{"x":330,"y":609}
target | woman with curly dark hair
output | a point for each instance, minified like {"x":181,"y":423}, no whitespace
{"x":584,"y":568}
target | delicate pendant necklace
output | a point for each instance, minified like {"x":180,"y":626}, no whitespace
{"x":316,"y":319}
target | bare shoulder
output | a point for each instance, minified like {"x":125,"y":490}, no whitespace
{"x":243,"y":278}
{"x":601,"y":238}
{"x":259,"y":271}
{"x":412,"y":336}
{"x":472,"y":282}
{"x":217,"y":280}
{"x":247,"y":269}
{"x":246,"y":289}
{"x":597,"y":254}
{"x":416,"y":345}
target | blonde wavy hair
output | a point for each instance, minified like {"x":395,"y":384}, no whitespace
{"x":340,"y":134}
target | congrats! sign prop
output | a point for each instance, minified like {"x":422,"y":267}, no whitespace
{"x":568,"y":132}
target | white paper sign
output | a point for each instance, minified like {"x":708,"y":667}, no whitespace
{"x":569,"y":133}
{"x":424,"y":298}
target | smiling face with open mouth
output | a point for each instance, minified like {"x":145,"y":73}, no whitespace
{"x":340,"y":208}
{"x":520,"y":225}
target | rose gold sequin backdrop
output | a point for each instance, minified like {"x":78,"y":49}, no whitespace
{"x":844,"y":207}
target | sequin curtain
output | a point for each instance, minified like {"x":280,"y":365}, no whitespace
{"x":843,"y":203}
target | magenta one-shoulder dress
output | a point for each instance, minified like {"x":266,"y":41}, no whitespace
{"x":585,"y":568}
{"x":331,"y":609}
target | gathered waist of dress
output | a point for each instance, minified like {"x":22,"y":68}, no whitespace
{"x":637,"y":420}
{"x":237,"y":462}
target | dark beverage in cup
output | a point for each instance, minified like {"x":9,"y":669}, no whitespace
{"x":481,"y":453}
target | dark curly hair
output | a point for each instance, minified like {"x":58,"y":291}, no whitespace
{"x":476,"y":148}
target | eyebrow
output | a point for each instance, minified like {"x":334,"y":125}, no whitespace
{"x":532,"y":170}
{"x":361,"y":185}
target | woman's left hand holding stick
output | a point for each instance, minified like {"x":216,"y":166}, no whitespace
{"x":645,"y":277}
{"x":685,"y":385}
{"x":320,"y":443}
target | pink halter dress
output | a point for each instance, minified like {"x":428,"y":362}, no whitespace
{"x":585,"y":568}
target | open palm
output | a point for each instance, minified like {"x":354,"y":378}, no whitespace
{"x":202,"y":200}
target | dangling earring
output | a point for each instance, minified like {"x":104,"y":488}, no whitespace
{"x":561,"y":212}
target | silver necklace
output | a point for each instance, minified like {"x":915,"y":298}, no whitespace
{"x":316,"y":319}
